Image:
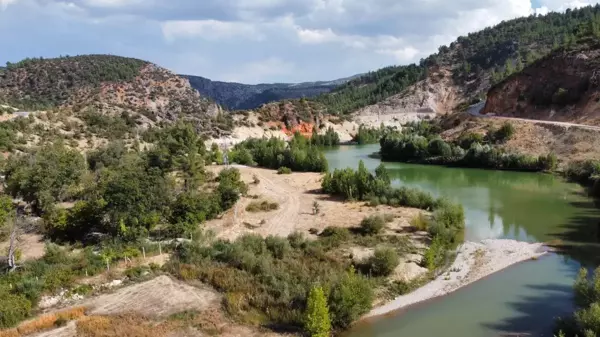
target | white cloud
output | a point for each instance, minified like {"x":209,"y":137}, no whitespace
{"x":209,"y":30}
{"x":5,"y":3}
{"x":254,"y":40}
{"x":110,"y":3}
{"x":316,"y":35}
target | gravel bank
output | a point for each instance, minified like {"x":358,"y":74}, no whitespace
{"x":473,"y":262}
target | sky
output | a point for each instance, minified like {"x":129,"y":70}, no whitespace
{"x":253,"y":41}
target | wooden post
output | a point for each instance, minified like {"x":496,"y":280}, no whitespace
{"x":144,"y":252}
{"x":159,"y":248}
{"x":107,"y":265}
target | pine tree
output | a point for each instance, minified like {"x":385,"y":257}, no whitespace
{"x":317,"y":322}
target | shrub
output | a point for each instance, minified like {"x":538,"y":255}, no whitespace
{"x":284,"y":170}
{"x":420,"y":222}
{"x":262,"y":206}
{"x":383,"y":262}
{"x":350,"y":298}
{"x":505,"y":133}
{"x":279,"y":247}
{"x":372,"y":225}
{"x":13,"y":309}
{"x":334,"y":236}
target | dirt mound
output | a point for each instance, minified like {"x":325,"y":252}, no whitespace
{"x":564,"y":86}
{"x":159,"y":297}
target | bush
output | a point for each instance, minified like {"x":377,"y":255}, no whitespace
{"x":420,"y":222}
{"x":383,"y":262}
{"x":13,"y":309}
{"x":284,"y":170}
{"x":505,"y":133}
{"x":262,"y":206}
{"x":350,"y":298}
{"x":372,"y":225}
{"x":334,"y":236}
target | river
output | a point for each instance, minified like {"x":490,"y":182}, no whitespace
{"x":521,"y":300}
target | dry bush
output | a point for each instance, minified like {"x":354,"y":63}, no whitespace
{"x":122,"y":326}
{"x":44,"y":322}
{"x":9,"y":333}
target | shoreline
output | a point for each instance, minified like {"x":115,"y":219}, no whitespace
{"x":474,"y":261}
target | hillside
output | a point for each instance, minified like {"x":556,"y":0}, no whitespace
{"x":564,"y":86}
{"x":237,"y":96}
{"x":108,"y":85}
{"x":463,"y":71}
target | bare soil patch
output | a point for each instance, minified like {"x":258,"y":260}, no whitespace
{"x":296,"y":193}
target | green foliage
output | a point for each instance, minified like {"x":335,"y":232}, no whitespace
{"x":330,"y":138}
{"x":587,"y":173}
{"x":372,"y":225}
{"x":231,"y":187}
{"x":284,"y":170}
{"x":299,"y":155}
{"x":502,"y":135}
{"x":350,"y":298}
{"x":366,"y":135}
{"x":586,"y":319}
{"x":383,"y":262}
{"x":468,"y":139}
{"x":422,"y":145}
{"x":46,"y":176}
{"x":370,"y":88}
{"x":270,"y":279}
{"x":317,"y":322}
{"x":13,"y":309}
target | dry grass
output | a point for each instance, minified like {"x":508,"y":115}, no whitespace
{"x":122,"y":326}
{"x":44,"y":322}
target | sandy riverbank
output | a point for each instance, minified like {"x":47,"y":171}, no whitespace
{"x":473,"y":262}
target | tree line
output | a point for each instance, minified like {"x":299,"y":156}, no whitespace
{"x":298,"y":155}
{"x":421,"y":143}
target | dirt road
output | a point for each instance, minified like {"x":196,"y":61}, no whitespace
{"x":475,"y":110}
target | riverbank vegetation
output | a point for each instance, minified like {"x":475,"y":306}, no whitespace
{"x":330,"y":138}
{"x":268,"y":281}
{"x":421,"y":143}
{"x":586,"y":173}
{"x":586,"y":319}
{"x":298,"y":155}
{"x":367,"y":135}
{"x":446,"y":225}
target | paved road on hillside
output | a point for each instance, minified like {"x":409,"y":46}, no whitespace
{"x":475,"y":110}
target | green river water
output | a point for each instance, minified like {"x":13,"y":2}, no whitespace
{"x":520,"y":301}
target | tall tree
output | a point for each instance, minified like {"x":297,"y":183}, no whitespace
{"x":317,"y":322}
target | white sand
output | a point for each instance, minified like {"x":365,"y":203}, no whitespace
{"x":473,"y":262}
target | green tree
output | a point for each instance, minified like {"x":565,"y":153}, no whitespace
{"x":317,"y":322}
{"x":48,"y":175}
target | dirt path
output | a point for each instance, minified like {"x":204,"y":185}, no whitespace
{"x":475,"y":110}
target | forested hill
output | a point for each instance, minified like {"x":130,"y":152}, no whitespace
{"x":104,"y":84}
{"x":237,"y":96}
{"x":465,"y":69}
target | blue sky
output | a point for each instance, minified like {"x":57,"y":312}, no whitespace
{"x":253,"y":41}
